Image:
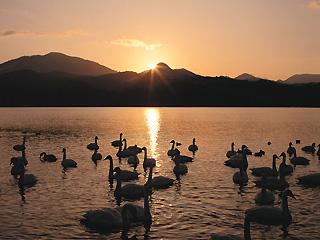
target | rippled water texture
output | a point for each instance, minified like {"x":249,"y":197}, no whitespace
{"x":205,"y":201}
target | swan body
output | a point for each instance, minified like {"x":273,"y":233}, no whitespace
{"x":272,"y":183}
{"x":130,"y":191}
{"x":117,"y":143}
{"x":266,"y":171}
{"x":96,"y":156}
{"x":67,"y":163}
{"x":148,"y":162}
{"x":125,"y":152}
{"x":311,"y":180}
{"x":180,"y":169}
{"x":264,"y":197}
{"x":173,"y":151}
{"x":240,"y":159}
{"x":133,"y":160}
{"x":318,"y":152}
{"x":123,"y":175}
{"x":20,"y":147}
{"x":309,"y":149}
{"x":240,"y":177}
{"x":134,"y":150}
{"x":44,"y":157}
{"x":183,"y":159}
{"x":161,"y":182}
{"x":285,"y":169}
{"x":260,"y":153}
{"x":193,"y":147}
{"x":299,"y":160}
{"x":94,"y":145}
{"x":231,"y":152}
{"x":27,"y":180}
{"x":291,"y":149}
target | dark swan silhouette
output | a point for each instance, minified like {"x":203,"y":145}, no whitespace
{"x":20,"y":147}
{"x":67,"y":163}
{"x":94,"y":145}
{"x":44,"y":157}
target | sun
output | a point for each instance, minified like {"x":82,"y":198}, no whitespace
{"x":152,"y":66}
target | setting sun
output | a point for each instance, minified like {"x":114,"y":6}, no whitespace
{"x":152,"y":65}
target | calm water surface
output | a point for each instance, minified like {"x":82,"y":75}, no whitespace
{"x":204,"y":201}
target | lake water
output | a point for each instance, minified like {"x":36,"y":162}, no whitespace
{"x":204,"y":201}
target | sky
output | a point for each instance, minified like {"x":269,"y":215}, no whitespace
{"x":268,"y":38}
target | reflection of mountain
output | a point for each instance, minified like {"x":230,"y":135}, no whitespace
{"x":161,"y":87}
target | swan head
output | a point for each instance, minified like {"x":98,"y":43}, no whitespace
{"x":283,"y":154}
{"x":117,"y":169}
{"x":290,"y":144}
{"x":108,"y":157}
{"x":144,"y":149}
{"x":178,"y":144}
{"x":288,"y":193}
{"x":232,"y":144}
{"x":269,"y":143}
{"x":275,"y":156}
{"x":172,"y":141}
{"x":96,"y":138}
{"x":243,"y":147}
{"x":121,"y":134}
{"x":64,"y":150}
{"x":124,"y":140}
{"x":313,"y":144}
{"x":246,"y":151}
{"x":42,"y":154}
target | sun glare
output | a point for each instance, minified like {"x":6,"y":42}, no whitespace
{"x":152,"y":66}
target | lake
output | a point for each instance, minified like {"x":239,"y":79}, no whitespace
{"x":203,"y":202}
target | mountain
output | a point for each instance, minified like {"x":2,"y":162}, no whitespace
{"x":247,"y":76}
{"x":303,"y":78}
{"x":55,"y":62}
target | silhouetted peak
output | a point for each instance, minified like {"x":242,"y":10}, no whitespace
{"x":162,"y":65}
{"x":246,"y":76}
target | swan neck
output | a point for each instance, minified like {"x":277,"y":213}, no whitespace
{"x":111,"y":169}
{"x":24,"y":141}
{"x":194,"y":142}
{"x":246,"y":233}
{"x":150,"y":175}
{"x":125,"y":145}
{"x":172,"y":147}
{"x":145,"y":154}
{"x":64,"y":155}
{"x":232,"y":147}
{"x":147,"y":213}
{"x":274,"y":166}
{"x":284,"y":204}
{"x":118,"y":186}
{"x":23,"y":154}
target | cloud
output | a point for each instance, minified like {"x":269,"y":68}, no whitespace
{"x":315,"y":4}
{"x":62,"y":34}
{"x":135,"y":43}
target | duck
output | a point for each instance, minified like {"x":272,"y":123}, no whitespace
{"x":148,"y":162}
{"x":309,"y":149}
{"x":20,"y":147}
{"x":264,"y":197}
{"x":269,"y":215}
{"x":130,"y":191}
{"x":27,"y":180}
{"x":94,"y":145}
{"x":117,"y":143}
{"x":285,"y":169}
{"x":67,"y":163}
{"x":260,"y":153}
{"x":299,"y":160}
{"x":290,"y":149}
{"x":173,"y":151}
{"x":96,"y":156}
{"x":231,"y":152}
{"x":44,"y":157}
{"x":115,"y":219}
{"x":160,"y":182}
{"x":124,"y":175}
{"x":236,"y":160}
{"x":318,"y":152}
{"x":266,"y":171}
{"x":179,"y":168}
{"x":310,"y":180}
{"x":193,"y":147}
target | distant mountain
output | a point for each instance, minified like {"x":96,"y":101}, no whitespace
{"x":55,"y":62}
{"x":303,"y":78}
{"x":247,"y":76}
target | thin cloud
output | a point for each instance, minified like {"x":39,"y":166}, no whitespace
{"x":62,"y":34}
{"x":135,"y":43}
{"x":315,"y":4}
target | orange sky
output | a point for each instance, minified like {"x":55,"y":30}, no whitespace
{"x":272,"y":39}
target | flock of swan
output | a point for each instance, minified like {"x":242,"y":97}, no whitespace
{"x":269,"y":180}
{"x":118,"y":218}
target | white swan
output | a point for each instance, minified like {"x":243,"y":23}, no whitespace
{"x":148,"y":162}
{"x":231,"y":152}
{"x":94,"y":145}
{"x":310,"y":180}
{"x":193,"y":147}
{"x":309,"y":149}
{"x":271,"y":216}
{"x":173,"y":151}
{"x":67,"y":163}
{"x":96,"y":156}
{"x":266,"y":171}
{"x":285,"y":169}
{"x":299,"y":160}
{"x":20,"y":147}
{"x":44,"y":157}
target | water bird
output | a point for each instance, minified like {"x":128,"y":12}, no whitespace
{"x":266,"y":171}
{"x":193,"y":147}
{"x":268,"y":215}
{"x":285,"y":169}
{"x":160,"y":182}
{"x":67,"y":163}
{"x":96,"y":156}
{"x":179,"y":168}
{"x":318,"y":152}
{"x":117,"y":143}
{"x":148,"y":162}
{"x":299,"y":160}
{"x":298,"y":141}
{"x":94,"y":145}
{"x":27,"y":180}
{"x":231,"y":152}
{"x":310,"y":180}
{"x":125,"y":152}
{"x":124,"y":175}
{"x":133,"y":160}
{"x":272,"y":183}
{"x":173,"y":151}
{"x":20,"y":147}
{"x":309,"y":149}
{"x":236,"y":160}
{"x":18,"y":165}
{"x":183,"y":158}
{"x":260,"y":153}
{"x":44,"y":157}
{"x":134,"y":150}
{"x":291,"y":149}
{"x":22,"y":159}
{"x":264,"y":197}
{"x":130,"y":191}
{"x":240,"y":177}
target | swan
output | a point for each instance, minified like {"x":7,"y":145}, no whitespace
{"x":260,"y":153}
{"x":44,"y":157}
{"x":182,"y":158}
{"x":20,"y":147}
{"x":236,"y":160}
{"x":290,"y":149}
{"x":134,"y":149}
{"x":96,"y":156}
{"x":285,"y":169}
{"x":173,"y":151}
{"x":23,"y":160}
{"x":148,"y":162}
{"x":130,"y":191}
{"x":318,"y":152}
{"x":299,"y":160}
{"x":240,"y":177}
{"x":298,"y":141}
{"x":117,"y":143}
{"x":93,"y":146}
{"x":67,"y":163}
{"x":114,"y":219}
{"x":160,"y":182}
{"x":231,"y":152}
{"x":309,"y":149}
{"x":266,"y":171}
{"x":133,"y":160}
{"x":311,"y":180}
{"x":125,"y":152}
{"x":264,"y":197}
{"x":124,"y":175}
{"x":179,"y":168}
{"x":18,"y":167}
{"x":273,"y":183}
{"x":193,"y":147}
{"x":268,"y":215}
{"x":27,"y":180}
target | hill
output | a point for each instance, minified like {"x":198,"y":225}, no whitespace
{"x":303,"y":78}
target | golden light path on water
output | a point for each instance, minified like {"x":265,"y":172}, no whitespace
{"x":152,"y":117}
